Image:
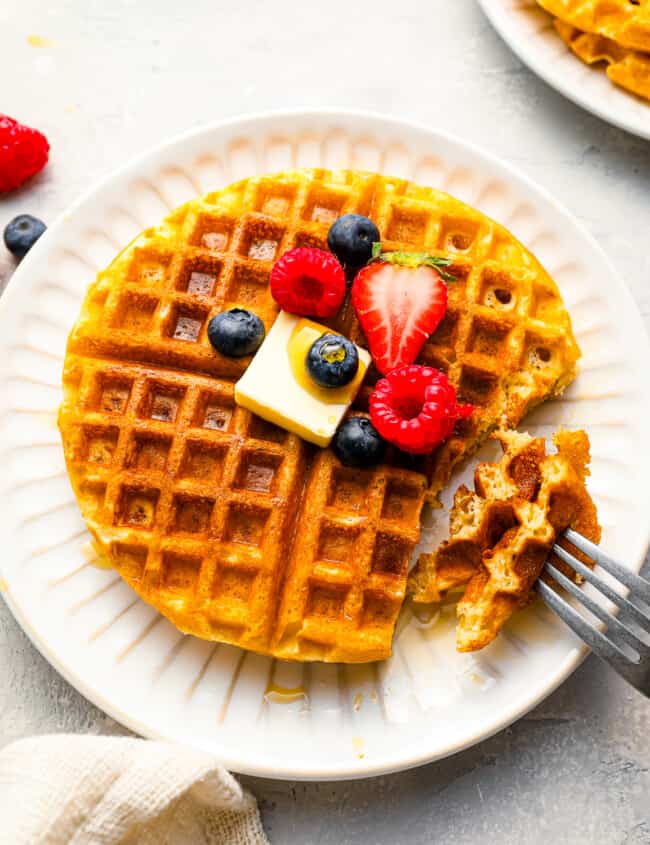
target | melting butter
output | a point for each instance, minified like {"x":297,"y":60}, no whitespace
{"x":305,"y":334}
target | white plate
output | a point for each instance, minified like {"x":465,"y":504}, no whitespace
{"x":529,"y":31}
{"x":344,"y":722}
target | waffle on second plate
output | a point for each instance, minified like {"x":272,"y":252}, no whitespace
{"x":627,"y":22}
{"x":630,"y":69}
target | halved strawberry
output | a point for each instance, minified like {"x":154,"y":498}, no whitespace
{"x":399,"y":304}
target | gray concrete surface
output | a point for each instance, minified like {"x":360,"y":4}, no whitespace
{"x":121,"y":76}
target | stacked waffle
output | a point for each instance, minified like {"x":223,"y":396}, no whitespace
{"x":235,"y":529}
{"x":614,"y":32}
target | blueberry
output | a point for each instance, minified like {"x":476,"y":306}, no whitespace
{"x":332,"y":360}
{"x":351,"y":238}
{"x":357,"y":443}
{"x":21,"y":234}
{"x":236,"y":333}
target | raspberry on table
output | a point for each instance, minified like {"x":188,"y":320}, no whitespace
{"x":23,"y":153}
{"x":415,"y":408}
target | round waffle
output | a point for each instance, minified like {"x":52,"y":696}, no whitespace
{"x":234,"y":529}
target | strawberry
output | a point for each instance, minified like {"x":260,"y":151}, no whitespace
{"x":400,"y":300}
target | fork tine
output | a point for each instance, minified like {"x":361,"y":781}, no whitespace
{"x":614,"y":625}
{"x":635,"y":582}
{"x":597,"y":641}
{"x":624,"y":604}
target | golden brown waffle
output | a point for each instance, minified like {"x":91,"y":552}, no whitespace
{"x":501,"y":535}
{"x":195,"y":502}
{"x":629,"y":69}
{"x":627,"y":22}
{"x":239,"y":531}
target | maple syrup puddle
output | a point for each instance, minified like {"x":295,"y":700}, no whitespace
{"x":276,"y":694}
{"x":94,"y":555}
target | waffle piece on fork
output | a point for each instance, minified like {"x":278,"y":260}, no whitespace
{"x":501,"y":534}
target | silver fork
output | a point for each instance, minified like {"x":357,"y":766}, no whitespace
{"x":626,"y":643}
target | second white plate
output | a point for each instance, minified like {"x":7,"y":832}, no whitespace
{"x":529,"y":31}
{"x":336,"y":721}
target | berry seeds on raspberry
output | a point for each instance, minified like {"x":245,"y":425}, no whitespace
{"x":308,"y":282}
{"x":23,"y":152}
{"x":415,"y":408}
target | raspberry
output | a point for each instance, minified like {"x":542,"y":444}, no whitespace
{"x":23,"y":152}
{"x":309,"y":282}
{"x":415,"y":408}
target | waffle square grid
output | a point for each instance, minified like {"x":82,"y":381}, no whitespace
{"x":235,"y":529}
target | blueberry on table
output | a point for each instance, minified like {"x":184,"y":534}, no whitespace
{"x":236,"y":333}
{"x":350,"y":238}
{"x":332,"y":361}
{"x":357,"y":443}
{"x":21,"y":234}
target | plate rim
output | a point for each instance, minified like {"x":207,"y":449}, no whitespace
{"x":255,"y":764}
{"x":555,"y":81}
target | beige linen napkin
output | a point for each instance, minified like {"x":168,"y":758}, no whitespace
{"x":81,"y":790}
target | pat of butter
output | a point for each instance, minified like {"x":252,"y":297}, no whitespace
{"x":270,"y":389}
